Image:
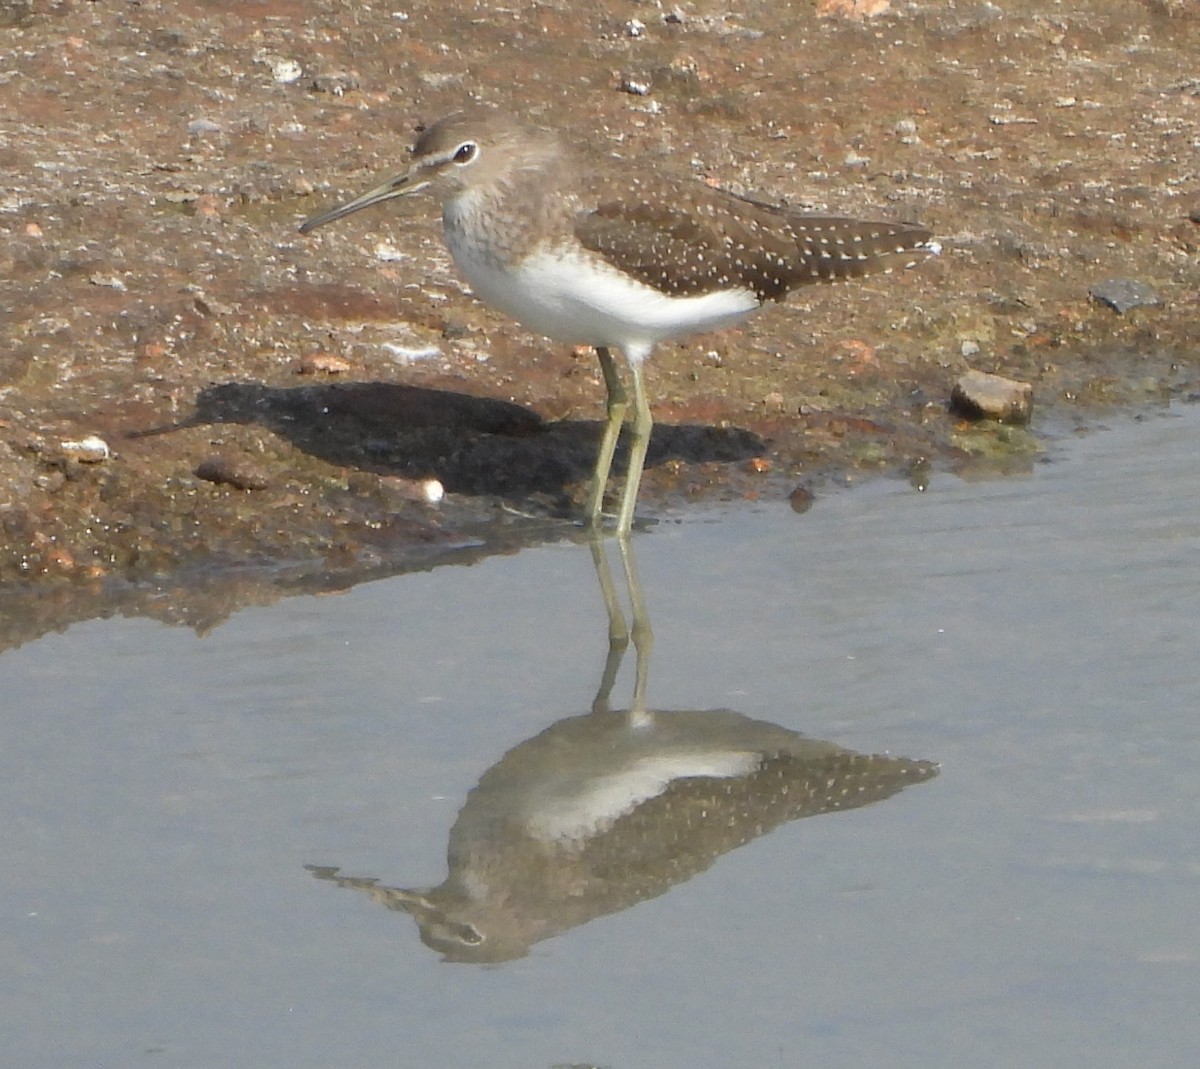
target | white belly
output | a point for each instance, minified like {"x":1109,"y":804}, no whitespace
{"x":585,"y":302}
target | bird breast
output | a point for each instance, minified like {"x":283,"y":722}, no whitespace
{"x":569,"y":294}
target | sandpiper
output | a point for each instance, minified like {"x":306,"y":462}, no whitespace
{"x":623,"y":261}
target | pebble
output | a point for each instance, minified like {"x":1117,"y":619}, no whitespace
{"x":230,"y":471}
{"x":408,"y":354}
{"x":424,"y":491}
{"x":324,"y":364}
{"x":204,"y":126}
{"x":90,"y":450}
{"x":1124,"y":294}
{"x":114,"y":282}
{"x":336,"y":83}
{"x":855,"y":10}
{"x":286,"y":71}
{"x":389,"y":254}
{"x":1008,"y":119}
{"x":981,"y":395}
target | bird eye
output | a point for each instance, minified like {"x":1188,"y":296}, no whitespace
{"x":467,"y":151}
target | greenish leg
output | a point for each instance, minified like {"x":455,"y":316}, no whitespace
{"x":638,"y":444}
{"x":618,"y":630}
{"x":617,"y":404}
{"x":643,"y":634}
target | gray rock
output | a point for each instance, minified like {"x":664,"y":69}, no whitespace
{"x":1122,"y":294}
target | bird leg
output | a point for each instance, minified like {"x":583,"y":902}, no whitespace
{"x":639,"y":442}
{"x":620,"y":631}
{"x":643,"y":634}
{"x":617,"y":403}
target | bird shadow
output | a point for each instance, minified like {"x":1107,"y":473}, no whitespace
{"x":473,"y":445}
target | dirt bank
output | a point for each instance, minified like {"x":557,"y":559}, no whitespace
{"x":155,"y":159}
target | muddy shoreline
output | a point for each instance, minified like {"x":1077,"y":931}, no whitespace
{"x":156,"y":158}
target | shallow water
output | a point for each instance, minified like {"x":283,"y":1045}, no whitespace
{"x":1033,"y":905}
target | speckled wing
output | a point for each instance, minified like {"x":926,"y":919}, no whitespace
{"x":687,"y":239}
{"x":834,"y":247}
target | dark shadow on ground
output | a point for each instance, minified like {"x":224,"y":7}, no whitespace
{"x":473,"y":445}
{"x":512,"y":479}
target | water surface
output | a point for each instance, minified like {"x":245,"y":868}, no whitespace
{"x":1033,"y":905}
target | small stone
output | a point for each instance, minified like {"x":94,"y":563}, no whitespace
{"x":114,"y":282}
{"x":423,"y":491}
{"x":410,"y":354}
{"x":324,"y":364}
{"x":980,"y":395}
{"x":231,"y":471}
{"x":89,"y":450}
{"x":386,"y":252}
{"x":1009,"y":119}
{"x":1124,"y":294}
{"x":639,"y":87}
{"x":336,"y":83}
{"x":204,"y":126}
{"x":855,"y":10}
{"x":286,"y":71}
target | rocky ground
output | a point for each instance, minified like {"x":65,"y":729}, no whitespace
{"x":266,"y":403}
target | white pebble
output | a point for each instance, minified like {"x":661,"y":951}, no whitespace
{"x":90,"y":450}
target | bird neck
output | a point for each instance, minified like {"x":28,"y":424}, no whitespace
{"x":528,"y":204}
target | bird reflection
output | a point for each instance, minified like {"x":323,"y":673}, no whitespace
{"x":604,"y":810}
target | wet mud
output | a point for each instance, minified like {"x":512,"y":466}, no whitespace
{"x":266,"y":403}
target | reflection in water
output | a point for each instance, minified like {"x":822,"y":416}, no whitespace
{"x":604,"y":810}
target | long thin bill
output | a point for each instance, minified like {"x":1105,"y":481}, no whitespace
{"x":398,"y":186}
